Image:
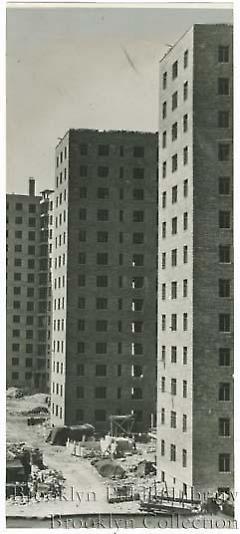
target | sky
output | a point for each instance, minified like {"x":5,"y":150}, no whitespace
{"x":83,"y":68}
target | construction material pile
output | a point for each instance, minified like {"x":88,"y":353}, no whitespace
{"x":109,"y":469}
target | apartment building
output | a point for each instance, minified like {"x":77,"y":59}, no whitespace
{"x":195,"y":281}
{"x":28,"y":317}
{"x":104,"y":278}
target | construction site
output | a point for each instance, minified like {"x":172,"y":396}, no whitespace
{"x":73,"y":470}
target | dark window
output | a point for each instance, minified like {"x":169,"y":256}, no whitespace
{"x":80,"y":392}
{"x":18,"y":234}
{"x":224,"y":219}
{"x":81,"y":302}
{"x":185,"y":188}
{"x":102,"y":281}
{"x":82,"y":192}
{"x":138,"y":151}
{"x":164,"y":169}
{"x":83,"y":149}
{"x":174,"y":70}
{"x":164,"y":139}
{"x":101,"y":325}
{"x":102,"y":215}
{"x":138,"y":260}
{"x":82,"y":214}
{"x":185,"y":220}
{"x":100,"y":415}
{"x":100,"y":393}
{"x":185,"y":90}
{"x":81,"y":258}
{"x":82,"y":236}
{"x":103,"y":150}
{"x":184,"y":458}
{"x":173,"y":386}
{"x":83,"y":170}
{"x":174,"y":322}
{"x":224,"y":254}
{"x":224,"y":287}
{"x":80,"y":369}
{"x":224,"y":426}
{"x":184,"y":423}
{"x":184,"y":389}
{"x":174,"y":100}
{"x":185,"y":59}
{"x":174,"y":194}
{"x":174,"y":131}
{"x":224,"y":463}
{"x":138,"y":194}
{"x":80,"y":347}
{"x":101,"y":303}
{"x":185,"y":288}
{"x":223,"y":119}
{"x":223,"y":54}
{"x":185,"y":352}
{"x":224,"y":356}
{"x":224,"y":322}
{"x":138,"y":238}
{"x":31,"y":236}
{"x":138,"y":282}
{"x":173,"y":452}
{"x":164,"y":80}
{"x":174,"y":290}
{"x":185,"y":122}
{"x":81,"y":325}
{"x":164,"y":110}
{"x":81,"y":280}
{"x":174,"y":225}
{"x":103,"y":172}
{"x":137,"y":393}
{"x":101,"y":347}
{"x":223,"y":86}
{"x":173,"y":419}
{"x":103,"y":192}
{"x":102,"y":258}
{"x":174,"y":257}
{"x":19,"y":206}
{"x":18,"y":220}
{"x":102,"y":237}
{"x":224,"y":391}
{"x":223,"y":152}
{"x":162,"y":447}
{"x":101,"y":370}
{"x":174,"y":354}
{"x":185,"y":155}
{"x":164,"y":199}
{"x":174,"y":163}
{"x":224,"y":185}
{"x":138,"y":172}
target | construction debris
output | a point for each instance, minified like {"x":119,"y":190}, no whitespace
{"x":109,"y":469}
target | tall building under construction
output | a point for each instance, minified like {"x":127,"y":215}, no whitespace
{"x":195,"y":279}
{"x":104,"y":276}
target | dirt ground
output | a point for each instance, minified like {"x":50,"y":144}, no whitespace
{"x":85,"y":490}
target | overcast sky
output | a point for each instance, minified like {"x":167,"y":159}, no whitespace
{"x":83,"y":68}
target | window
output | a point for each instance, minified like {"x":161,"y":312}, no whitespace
{"x":138,"y":238}
{"x":103,"y":150}
{"x":164,"y":139}
{"x":164,"y":199}
{"x":138,"y":194}
{"x":174,"y":322}
{"x":174,"y":225}
{"x":174,"y":131}
{"x":137,"y":305}
{"x":102,"y":281}
{"x":138,"y":282}
{"x":185,"y":155}
{"x":174,"y":354}
{"x":31,"y":236}
{"x":18,"y":220}
{"x":174,"y":290}
{"x":138,"y":151}
{"x":174,"y":194}
{"x":174,"y":70}
{"x":223,"y":152}
{"x":224,"y":219}
{"x":224,"y":391}
{"x":184,"y":423}
{"x":82,"y":214}
{"x":173,"y":452}
{"x":103,"y":172}
{"x":83,"y":149}
{"x":82,"y":192}
{"x":163,"y":260}
{"x":185,"y":59}
{"x":164,"y":80}
{"x":184,"y":458}
{"x":19,"y":206}
{"x":174,"y":100}
{"x":164,"y":110}
{"x":163,"y":416}
{"x":138,"y":172}
{"x":223,"y":119}
{"x":82,"y":236}
{"x":81,"y":303}
{"x":80,"y":392}
{"x":15,"y":361}
{"x":185,"y":353}
{"x":163,"y":291}
{"x":224,"y":463}
{"x":173,"y":420}
{"x":185,"y":220}
{"x":224,"y":427}
{"x":101,"y":347}
{"x":223,"y":54}
{"x":102,"y":215}
{"x":101,"y":303}
{"x":185,"y":321}
{"x":101,"y":325}
{"x":83,"y":171}
{"x":81,"y":280}
{"x":164,"y":169}
{"x":100,"y":393}
{"x":18,"y":234}
{"x":81,"y":325}
{"x":137,"y":327}
{"x":174,"y":257}
{"x":101,"y":370}
{"x":137,"y":349}
{"x":174,"y":163}
{"x":224,"y":356}
{"x":223,"y":86}
{"x":224,"y":185}
{"x":162,"y":447}
{"x":224,"y":288}
{"x":185,"y":288}
{"x":185,"y":188}
{"x":185,"y":122}
{"x":164,"y":228}
{"x":163,"y":322}
{"x":185,"y":254}
{"x":138,"y":260}
{"x":184,"y":389}
{"x":224,"y":254}
{"x":103,"y":192}
{"x":138,"y":216}
{"x":185,"y":90}
{"x":80,"y":347}
{"x":81,"y":258}
{"x":102,"y":258}
{"x":102,"y":237}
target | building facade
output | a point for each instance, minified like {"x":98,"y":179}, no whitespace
{"x":195,"y":280}
{"x":28,"y":318}
{"x":104,"y":278}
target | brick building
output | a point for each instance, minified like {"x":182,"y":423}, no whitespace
{"x":104,"y":278}
{"x":28,"y":315}
{"x":195,"y":324}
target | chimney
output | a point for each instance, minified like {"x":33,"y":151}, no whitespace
{"x":31,"y":187}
